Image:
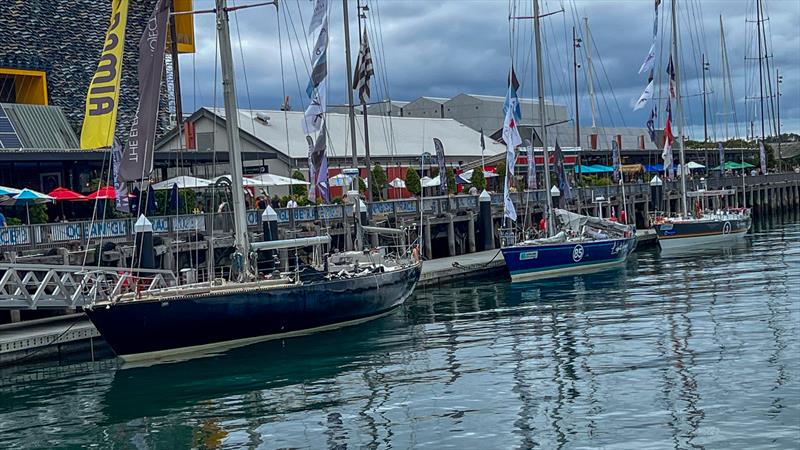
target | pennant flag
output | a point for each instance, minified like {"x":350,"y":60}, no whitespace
{"x":671,"y":73}
{"x":721,"y":158}
{"x":512,"y":139}
{"x":645,"y":97}
{"x":319,"y":16}
{"x":364,"y":70}
{"x":762,"y":152}
{"x":483,"y":142}
{"x":442,"y":169}
{"x":316,"y":90}
{"x":512,"y":101}
{"x":120,"y":188}
{"x":651,"y":125}
{"x":563,"y":181}
{"x":666,"y":154}
{"x":318,"y":167}
{"x":314,"y":114}
{"x":100,"y":115}
{"x":532,"y":182}
{"x":616,"y":160}
{"x":137,"y":161}
{"x":649,"y":60}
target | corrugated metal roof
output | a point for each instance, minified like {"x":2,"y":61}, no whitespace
{"x":41,"y":127}
{"x":400,"y":137}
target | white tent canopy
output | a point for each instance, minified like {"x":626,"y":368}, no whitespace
{"x":397,"y":183}
{"x":693,"y":165}
{"x":270,"y":179}
{"x":430,"y":182}
{"x":466,"y":176}
{"x":245,"y":181}
{"x":340,"y":180}
{"x":183,"y":182}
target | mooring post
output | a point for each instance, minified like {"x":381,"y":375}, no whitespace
{"x":471,"y":232}
{"x":143,"y":257}
{"x":269,"y":229}
{"x":485,"y":223}
{"x":451,"y":236}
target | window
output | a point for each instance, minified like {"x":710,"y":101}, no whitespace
{"x":23,"y":86}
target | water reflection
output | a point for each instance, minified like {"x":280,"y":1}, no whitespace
{"x":672,"y":350}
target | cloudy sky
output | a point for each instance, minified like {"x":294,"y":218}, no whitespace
{"x":442,"y":48}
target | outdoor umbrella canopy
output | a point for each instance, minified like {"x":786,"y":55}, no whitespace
{"x":28,"y":197}
{"x":732,"y":165}
{"x":64,"y":194}
{"x":397,"y":183}
{"x":104,"y":193}
{"x":602,"y":168}
{"x":693,"y":165}
{"x":588,"y":169}
{"x":245,"y":181}
{"x":467,"y":175}
{"x":430,"y":182}
{"x":7,"y":192}
{"x":269,"y":179}
{"x":340,"y":180}
{"x":183,"y":182}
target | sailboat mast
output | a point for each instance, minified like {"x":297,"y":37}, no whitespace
{"x":575,"y":44}
{"x":367,"y":161}
{"x":760,"y":66}
{"x":589,"y":75}
{"x":349,"y":80}
{"x":232,"y":128}
{"x":543,"y":116}
{"x":679,"y":108}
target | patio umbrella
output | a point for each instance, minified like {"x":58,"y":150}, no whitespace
{"x":151,"y":201}
{"x":340,"y":180}
{"x":174,"y":201}
{"x":693,"y":165}
{"x":397,"y":183}
{"x":8,"y":192}
{"x":467,"y":175}
{"x":183,"y":182}
{"x":252,"y":182}
{"x":64,"y":194}
{"x":104,"y":193}
{"x":28,"y":197}
{"x":270,"y":179}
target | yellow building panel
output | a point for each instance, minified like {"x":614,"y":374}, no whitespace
{"x":30,"y":85}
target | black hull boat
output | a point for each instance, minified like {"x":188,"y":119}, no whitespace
{"x":712,"y":229}
{"x":204,"y":319}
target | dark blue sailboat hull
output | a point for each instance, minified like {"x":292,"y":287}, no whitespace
{"x":147,"y":329}
{"x":530,"y":262}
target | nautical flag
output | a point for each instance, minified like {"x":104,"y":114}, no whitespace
{"x":512,"y":139}
{"x":442,"y":169}
{"x":364,"y":70}
{"x":312,"y":117}
{"x":100,"y":115}
{"x":721,"y":159}
{"x":120,"y":188}
{"x":483,"y":143}
{"x":316,"y":90}
{"x":666,"y":155}
{"x":649,"y":60}
{"x":671,"y":73}
{"x":320,"y":15}
{"x":319,"y":60}
{"x":512,"y":101}
{"x":762,"y":152}
{"x":651,"y":125}
{"x":563,"y":182}
{"x":615,"y":158}
{"x":645,"y":97}
{"x":318,"y":167}
{"x":137,"y":160}
{"x":532,"y":182}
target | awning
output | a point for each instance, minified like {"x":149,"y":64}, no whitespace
{"x":632,"y":168}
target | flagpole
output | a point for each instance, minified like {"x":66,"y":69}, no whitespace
{"x":678,"y":107}
{"x":543,"y":117}
{"x":363,"y":40}
{"x":349,"y":80}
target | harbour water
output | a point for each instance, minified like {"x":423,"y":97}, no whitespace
{"x":671,"y":351}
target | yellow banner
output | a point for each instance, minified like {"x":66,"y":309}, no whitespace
{"x":100,"y":118}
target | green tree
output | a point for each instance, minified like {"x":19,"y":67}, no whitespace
{"x":362,"y":187}
{"x":451,"y":181}
{"x":412,"y":181}
{"x":38,"y":213}
{"x":299,"y":190}
{"x":378,"y":181}
{"x":478,"y":179}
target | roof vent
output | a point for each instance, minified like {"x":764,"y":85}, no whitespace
{"x":262,"y":117}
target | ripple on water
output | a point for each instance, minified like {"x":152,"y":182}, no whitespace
{"x":673,"y":350}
